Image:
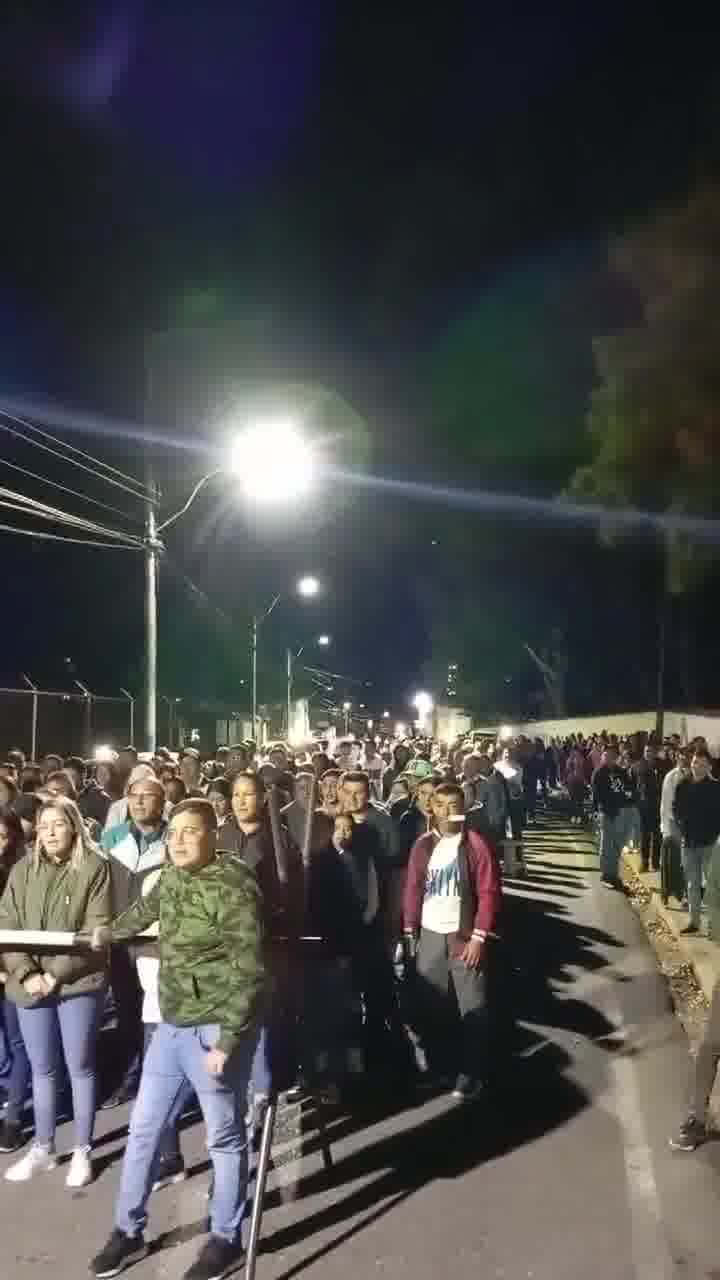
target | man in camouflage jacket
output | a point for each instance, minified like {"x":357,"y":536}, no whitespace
{"x":211,"y":984}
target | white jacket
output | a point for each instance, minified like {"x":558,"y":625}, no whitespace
{"x":668,"y":826}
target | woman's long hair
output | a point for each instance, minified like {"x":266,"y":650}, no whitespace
{"x":82,"y":844}
{"x":13,"y":826}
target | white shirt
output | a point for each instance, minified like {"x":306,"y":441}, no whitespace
{"x":441,"y":903}
{"x":668,"y":825}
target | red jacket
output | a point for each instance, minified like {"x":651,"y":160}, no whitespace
{"x":480,"y":886}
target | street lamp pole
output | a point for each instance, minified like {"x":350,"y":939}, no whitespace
{"x":256,"y":624}
{"x":152,"y":548}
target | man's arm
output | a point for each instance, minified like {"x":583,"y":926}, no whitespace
{"x":18,"y":963}
{"x":488,"y":890}
{"x":239,"y":926}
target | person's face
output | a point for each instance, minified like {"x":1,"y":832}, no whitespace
{"x":329,"y":790}
{"x":402,"y":756}
{"x":471,"y":767}
{"x":9,"y":771}
{"x":650,"y":754}
{"x":344,"y":830}
{"x":145,"y":803}
{"x":5,"y":839}
{"x":55,"y":833}
{"x":190,"y":771}
{"x":103,"y":776}
{"x":610,"y":757}
{"x":683,"y":765}
{"x":6,"y":795}
{"x":60,"y":786}
{"x":236,"y":760}
{"x":506,"y":755}
{"x":424,"y":797}
{"x":191,"y":844}
{"x":700,"y":768}
{"x":245,"y":804}
{"x":220,"y":803}
{"x":445,"y":808}
{"x":175,"y":790}
{"x":52,"y":763}
{"x":278,"y":759}
{"x":126,"y":762}
{"x":355,"y":797}
{"x":75,"y":777}
{"x":303,"y":791}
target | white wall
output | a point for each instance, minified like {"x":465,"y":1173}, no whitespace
{"x":687,"y":724}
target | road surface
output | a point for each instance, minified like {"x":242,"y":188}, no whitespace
{"x":566,"y":1176}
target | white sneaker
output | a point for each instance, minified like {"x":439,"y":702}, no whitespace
{"x":37,"y":1160}
{"x":80,"y":1173}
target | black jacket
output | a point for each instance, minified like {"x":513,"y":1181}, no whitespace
{"x":612,"y":789}
{"x":697,"y":811}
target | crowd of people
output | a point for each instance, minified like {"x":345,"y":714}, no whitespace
{"x":263,"y":920}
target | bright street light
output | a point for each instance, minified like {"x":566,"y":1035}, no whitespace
{"x":423,"y":704}
{"x":273,"y":461}
{"x":386,"y":715}
{"x":347,"y":706}
{"x":308,"y":586}
{"x":324,"y":641}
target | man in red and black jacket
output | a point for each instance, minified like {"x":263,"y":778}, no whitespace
{"x":450,"y":911}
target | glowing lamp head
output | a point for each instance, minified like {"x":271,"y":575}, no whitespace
{"x":423,"y":704}
{"x":273,"y":462}
{"x":308,"y":587}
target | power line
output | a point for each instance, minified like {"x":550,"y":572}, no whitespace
{"x":30,"y":426}
{"x":57,"y":537}
{"x":44,"y":511}
{"x":140,"y":497}
{"x":54,"y":484}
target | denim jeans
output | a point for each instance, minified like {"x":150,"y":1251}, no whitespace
{"x":17,"y":1076}
{"x":695,"y":861}
{"x":613,"y":832}
{"x":170,"y":1140}
{"x":69,"y":1026}
{"x":176,"y":1056}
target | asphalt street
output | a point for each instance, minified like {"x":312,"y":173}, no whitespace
{"x":563,"y":1174}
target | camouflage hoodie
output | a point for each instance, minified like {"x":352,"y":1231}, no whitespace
{"x":211,"y":966}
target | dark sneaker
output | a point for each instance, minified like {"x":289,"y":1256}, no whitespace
{"x":467,"y":1089}
{"x":689,"y":1136}
{"x":217,"y":1259}
{"x":11,"y":1138}
{"x":690,"y":928}
{"x":119,"y":1252}
{"x":171,"y":1170}
{"x":119,"y":1098}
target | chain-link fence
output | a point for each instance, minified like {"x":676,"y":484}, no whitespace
{"x":42,"y":720}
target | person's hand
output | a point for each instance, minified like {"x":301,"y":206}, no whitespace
{"x":215,"y":1061}
{"x":50,"y":982}
{"x":472,"y":953}
{"x":101,"y":937}
{"x":35,"y":986}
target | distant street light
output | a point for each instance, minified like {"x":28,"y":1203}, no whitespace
{"x":386,"y":715}
{"x":308,"y":586}
{"x":324,"y":641}
{"x":423,"y":704}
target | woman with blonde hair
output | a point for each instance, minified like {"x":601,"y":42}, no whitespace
{"x":63,"y":884}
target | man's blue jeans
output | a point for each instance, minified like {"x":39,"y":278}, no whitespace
{"x":613,"y":833}
{"x":176,"y":1056}
{"x":695,"y":861}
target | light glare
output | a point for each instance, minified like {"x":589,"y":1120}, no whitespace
{"x":273,"y":462}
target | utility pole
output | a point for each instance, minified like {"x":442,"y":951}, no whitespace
{"x":34,"y":731}
{"x":289,"y":691}
{"x":153,"y":547}
{"x":254,"y":648}
{"x":131,"y":701}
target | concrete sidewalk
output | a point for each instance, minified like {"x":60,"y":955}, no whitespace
{"x":697,"y":950}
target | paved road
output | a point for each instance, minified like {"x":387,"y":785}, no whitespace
{"x":566,"y":1177}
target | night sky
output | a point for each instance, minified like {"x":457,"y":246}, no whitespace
{"x":409,"y":205}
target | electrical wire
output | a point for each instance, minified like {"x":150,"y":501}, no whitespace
{"x":57,"y":537}
{"x":54,"y":484}
{"x":81,"y":467}
{"x":30,"y":426}
{"x":31,"y":506}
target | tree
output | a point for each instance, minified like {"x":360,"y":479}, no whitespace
{"x":654,"y":418}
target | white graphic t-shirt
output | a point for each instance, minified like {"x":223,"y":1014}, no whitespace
{"x":441,"y":903}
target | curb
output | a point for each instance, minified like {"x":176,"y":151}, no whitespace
{"x":699,"y":952}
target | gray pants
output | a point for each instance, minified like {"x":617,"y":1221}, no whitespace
{"x":450,"y":1009}
{"x":696,"y":863}
{"x":613,"y":831}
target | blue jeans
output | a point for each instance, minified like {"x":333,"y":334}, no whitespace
{"x":16,"y":1077}
{"x":695,"y":861}
{"x":613,"y":833}
{"x":175,"y":1057}
{"x":69,"y":1026}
